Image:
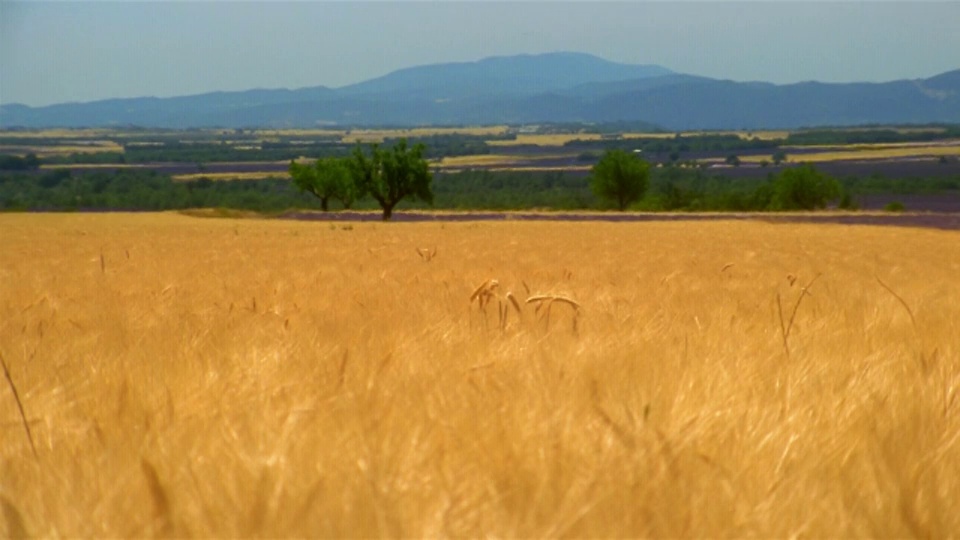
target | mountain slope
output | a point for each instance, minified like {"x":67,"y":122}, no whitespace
{"x":182,"y":111}
{"x":560,"y":87}
{"x":497,"y":76}
{"x":711,"y":104}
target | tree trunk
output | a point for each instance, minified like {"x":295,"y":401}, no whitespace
{"x":387,"y":212}
{"x":324,"y":203}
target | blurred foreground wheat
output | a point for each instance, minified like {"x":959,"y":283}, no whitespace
{"x":192,"y":377}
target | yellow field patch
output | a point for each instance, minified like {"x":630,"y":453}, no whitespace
{"x":546,"y":139}
{"x":89,"y":147}
{"x":62,"y":133}
{"x":949,"y":143}
{"x":236,"y":378}
{"x":888,"y":152}
{"x":484,"y":160}
{"x":526,"y":168}
{"x":222,"y":176}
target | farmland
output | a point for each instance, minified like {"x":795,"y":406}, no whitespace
{"x":478,"y":167}
{"x":221,"y":377}
{"x":869,"y":150}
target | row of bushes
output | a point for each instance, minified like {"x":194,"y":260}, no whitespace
{"x":671,"y":189}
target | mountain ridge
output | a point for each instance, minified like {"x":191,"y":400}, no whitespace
{"x":552,"y":87}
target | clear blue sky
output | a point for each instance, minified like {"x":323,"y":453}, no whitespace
{"x":81,"y":51}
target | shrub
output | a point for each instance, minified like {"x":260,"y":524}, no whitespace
{"x":894,"y":206}
{"x":803,"y":188}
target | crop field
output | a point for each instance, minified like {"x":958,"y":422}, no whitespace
{"x":169,"y":375}
{"x":871,"y":152}
{"x":500,"y":162}
{"x":229,"y":176}
{"x":379,"y":135}
{"x":89,"y":147}
{"x":243,"y":154}
{"x":560,"y":139}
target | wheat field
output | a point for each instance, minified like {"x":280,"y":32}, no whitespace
{"x":183,"y":376}
{"x":863,"y":152}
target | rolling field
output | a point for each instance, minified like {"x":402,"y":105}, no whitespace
{"x":214,"y":377}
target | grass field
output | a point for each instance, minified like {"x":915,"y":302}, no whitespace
{"x":218,"y":377}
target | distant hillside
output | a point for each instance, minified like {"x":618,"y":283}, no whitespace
{"x":500,"y":76}
{"x":211,"y":109}
{"x":712,"y":104}
{"x":557,"y":87}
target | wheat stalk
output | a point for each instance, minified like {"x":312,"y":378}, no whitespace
{"x":548,"y":300}
{"x":487,"y":292}
{"x":513,"y":300}
{"x":484,"y":289}
{"x":786,"y":328}
{"x":902,"y":301}
{"x":16,"y":397}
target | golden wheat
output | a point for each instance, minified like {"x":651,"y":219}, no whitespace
{"x":240,"y":377}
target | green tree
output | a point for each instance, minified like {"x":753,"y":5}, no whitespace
{"x":390,"y":176}
{"x":621,"y":177}
{"x":733,"y":159}
{"x":327,"y":178}
{"x":779,"y":157}
{"x":16,"y":163}
{"x":803,"y":188}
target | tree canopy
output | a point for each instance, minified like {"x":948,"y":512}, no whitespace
{"x":621,"y":177}
{"x":390,"y":176}
{"x":327,"y":178}
{"x":803,"y":188}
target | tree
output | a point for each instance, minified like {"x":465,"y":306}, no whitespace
{"x":621,"y":177}
{"x":327,"y":178}
{"x":16,"y":163}
{"x":803,"y":188}
{"x":31,"y":161}
{"x":390,"y":176}
{"x":779,"y":157}
{"x":733,"y":159}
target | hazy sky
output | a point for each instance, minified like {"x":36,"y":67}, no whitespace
{"x":53,"y":52}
